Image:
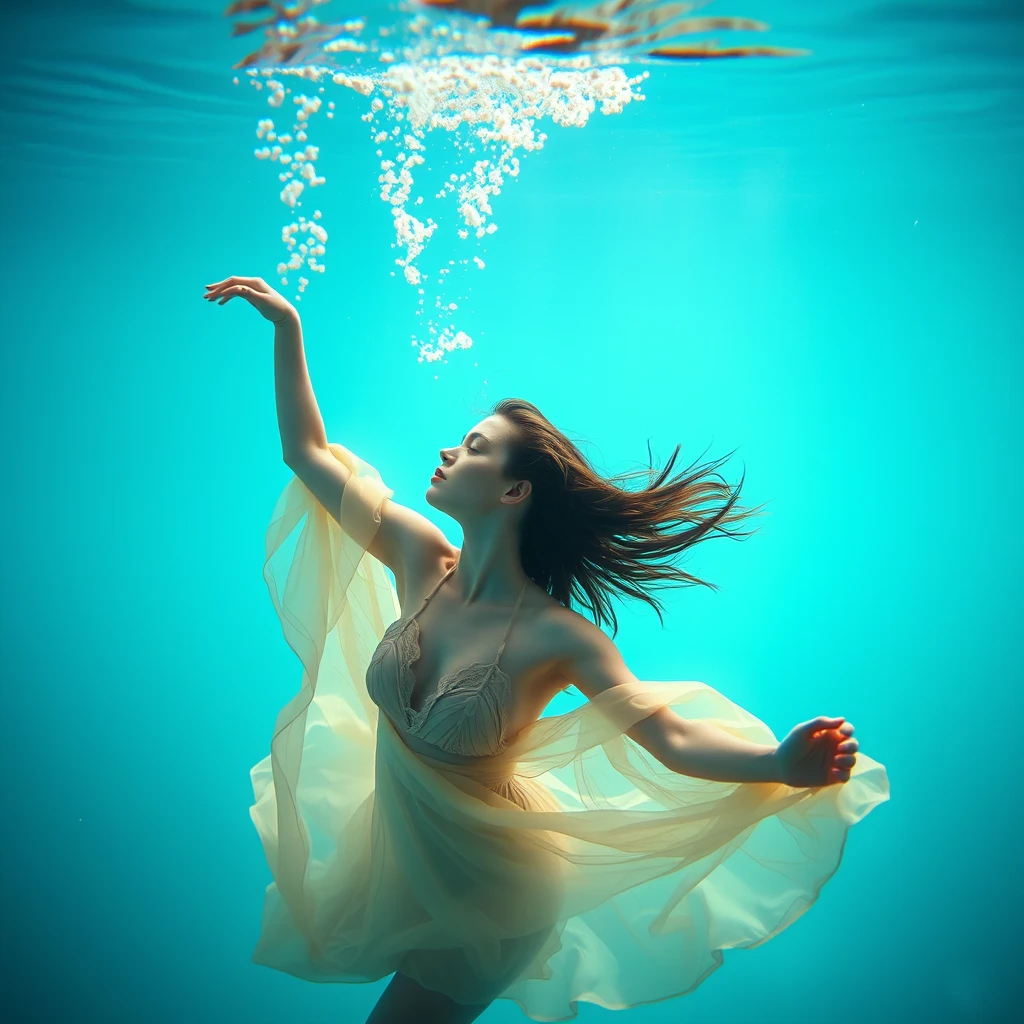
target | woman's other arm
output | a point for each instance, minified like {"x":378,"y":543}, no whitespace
{"x":819,"y":752}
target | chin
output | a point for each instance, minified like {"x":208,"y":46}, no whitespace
{"x":437,"y":500}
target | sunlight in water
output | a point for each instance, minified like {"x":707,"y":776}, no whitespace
{"x":484,"y":71}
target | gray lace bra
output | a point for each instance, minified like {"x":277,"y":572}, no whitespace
{"x":467,"y":712}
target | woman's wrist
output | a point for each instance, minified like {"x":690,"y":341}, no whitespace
{"x":288,"y":316}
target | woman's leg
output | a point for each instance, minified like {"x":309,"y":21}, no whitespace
{"x":405,"y":1001}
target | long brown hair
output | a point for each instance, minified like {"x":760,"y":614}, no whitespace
{"x":584,"y":536}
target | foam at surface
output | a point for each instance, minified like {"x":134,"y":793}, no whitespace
{"x":487,"y":108}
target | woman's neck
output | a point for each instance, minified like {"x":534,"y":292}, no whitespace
{"x":488,"y":573}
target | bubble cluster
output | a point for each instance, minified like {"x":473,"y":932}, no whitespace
{"x":487,"y":108}
{"x":306,"y":239}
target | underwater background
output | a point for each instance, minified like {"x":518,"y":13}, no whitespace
{"x":811,"y":261}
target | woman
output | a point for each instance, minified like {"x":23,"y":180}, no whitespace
{"x":420,"y":816}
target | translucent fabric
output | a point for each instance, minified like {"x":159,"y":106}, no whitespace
{"x":570,"y":867}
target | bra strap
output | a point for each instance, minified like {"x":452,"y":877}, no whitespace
{"x":508,"y":628}
{"x":437,"y":587}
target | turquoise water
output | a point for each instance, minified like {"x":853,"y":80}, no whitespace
{"x":813,"y":261}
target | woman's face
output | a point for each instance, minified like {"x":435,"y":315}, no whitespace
{"x":473,"y":481}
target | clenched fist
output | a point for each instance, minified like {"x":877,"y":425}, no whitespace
{"x":818,"y":753}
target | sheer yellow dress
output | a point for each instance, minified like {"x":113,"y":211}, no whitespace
{"x":567,"y":865}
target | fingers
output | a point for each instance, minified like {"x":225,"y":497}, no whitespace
{"x":845,"y":758}
{"x":229,"y":293}
{"x":256,"y":283}
{"x":825,"y":724}
{"x":820,"y":723}
{"x":250,"y":281}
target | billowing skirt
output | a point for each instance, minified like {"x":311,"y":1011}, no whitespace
{"x":571,"y":867}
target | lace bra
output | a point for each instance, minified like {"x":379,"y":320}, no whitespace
{"x":467,"y":712}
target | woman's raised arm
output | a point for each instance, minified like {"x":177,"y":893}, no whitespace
{"x":298,"y":416}
{"x":405,"y":540}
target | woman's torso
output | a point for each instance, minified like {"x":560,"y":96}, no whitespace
{"x":440,"y":672}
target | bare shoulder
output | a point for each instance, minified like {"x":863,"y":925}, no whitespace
{"x":570,"y":632}
{"x":591,"y":661}
{"x":588,"y":658}
{"x":569,"y":641}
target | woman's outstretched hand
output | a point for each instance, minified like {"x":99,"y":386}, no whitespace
{"x":272,"y":305}
{"x":818,"y":753}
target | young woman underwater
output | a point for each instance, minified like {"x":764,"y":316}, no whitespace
{"x":419,"y":815}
